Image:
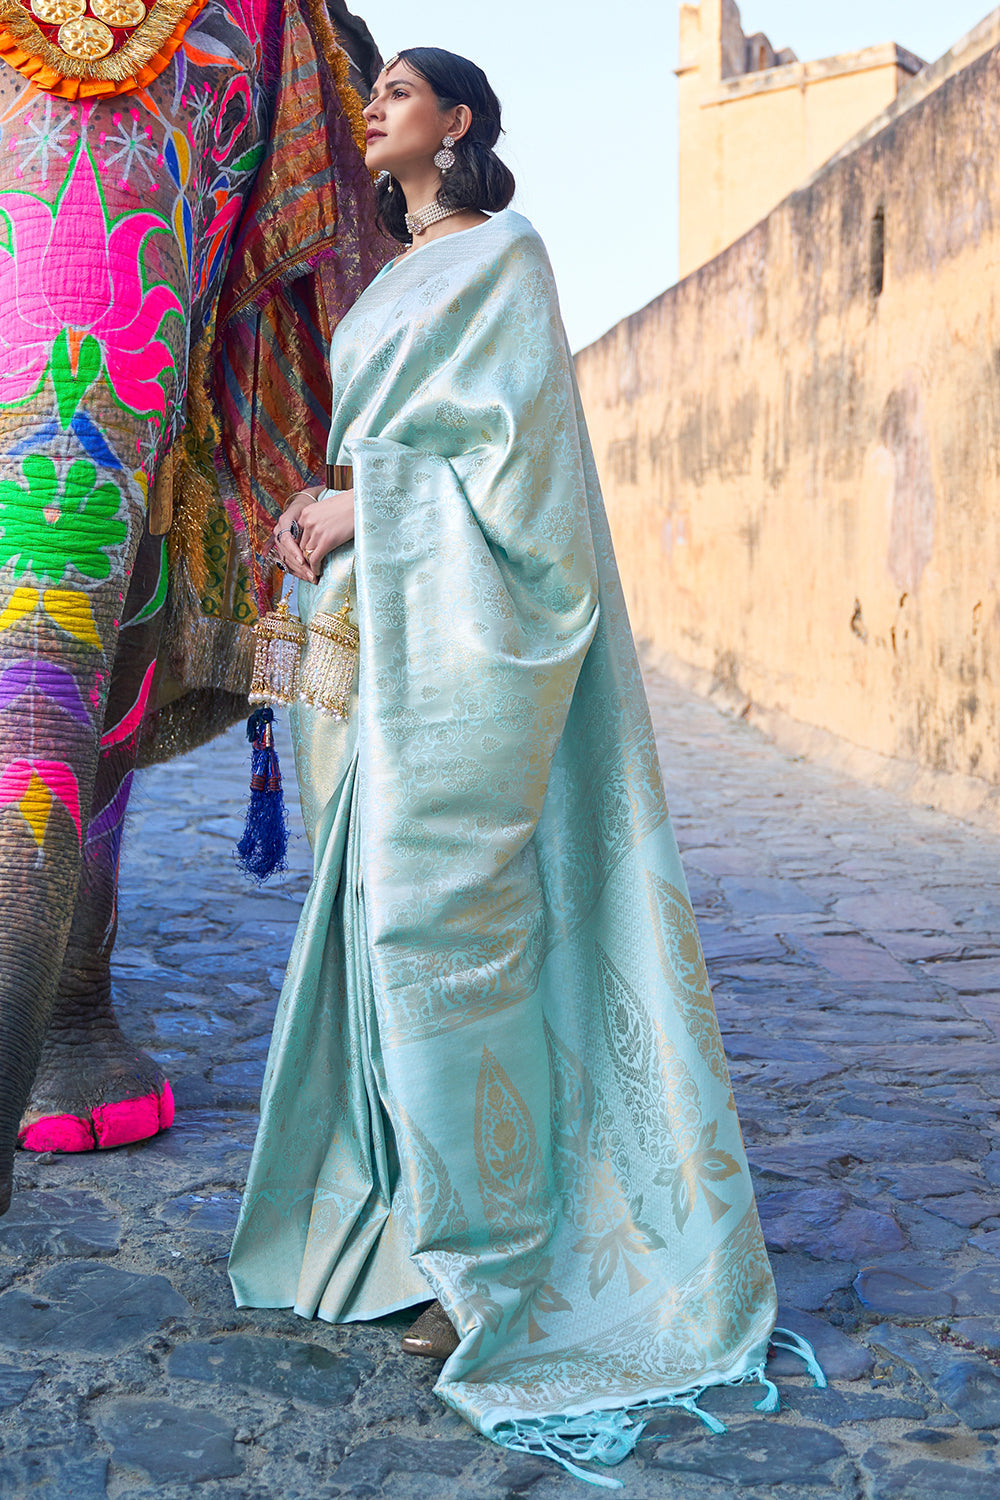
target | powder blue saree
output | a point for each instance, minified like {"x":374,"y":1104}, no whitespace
{"x":496,"y":1076}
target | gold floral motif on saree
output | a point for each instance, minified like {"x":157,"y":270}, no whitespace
{"x":683,"y":965}
{"x":593,"y":1176}
{"x":513,"y":1188}
{"x":695,"y":1322}
{"x":663,"y":1100}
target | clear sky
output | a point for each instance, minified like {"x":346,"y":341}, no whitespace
{"x":590,"y":111}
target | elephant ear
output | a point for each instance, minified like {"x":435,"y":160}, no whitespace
{"x":307,"y":245}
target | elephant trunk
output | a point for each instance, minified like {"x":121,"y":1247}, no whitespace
{"x":70,"y":530}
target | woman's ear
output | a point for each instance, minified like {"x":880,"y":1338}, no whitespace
{"x":461,"y":120}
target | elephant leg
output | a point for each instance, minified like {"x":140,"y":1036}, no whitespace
{"x":93,"y":1087}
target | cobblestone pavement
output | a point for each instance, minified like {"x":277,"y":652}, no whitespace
{"x":854,"y":943}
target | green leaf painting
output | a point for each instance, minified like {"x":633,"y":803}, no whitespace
{"x":55,"y":524}
{"x":75,"y":365}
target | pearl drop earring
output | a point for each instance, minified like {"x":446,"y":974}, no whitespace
{"x":444,"y":159}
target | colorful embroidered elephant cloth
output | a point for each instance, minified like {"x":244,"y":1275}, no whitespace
{"x":496,"y":1075}
{"x":305,"y":246}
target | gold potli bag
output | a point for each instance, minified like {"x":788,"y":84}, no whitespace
{"x":277,"y":655}
{"x":330,"y":659}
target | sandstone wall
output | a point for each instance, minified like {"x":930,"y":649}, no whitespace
{"x":800,"y":447}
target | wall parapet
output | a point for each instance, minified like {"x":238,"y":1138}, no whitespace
{"x":982,"y":38}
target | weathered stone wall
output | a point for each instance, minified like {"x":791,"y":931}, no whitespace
{"x":800,"y":446}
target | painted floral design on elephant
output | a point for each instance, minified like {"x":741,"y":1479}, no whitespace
{"x":77,"y":282}
{"x":81,"y":517}
{"x":33,"y":786}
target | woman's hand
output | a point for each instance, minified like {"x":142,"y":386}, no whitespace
{"x":301,"y":548}
{"x":324,"y":526}
{"x":283,"y":544}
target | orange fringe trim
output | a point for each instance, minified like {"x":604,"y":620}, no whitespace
{"x":44,"y":75}
{"x":339,"y":62}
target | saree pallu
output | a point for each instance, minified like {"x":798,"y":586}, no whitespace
{"x":496,"y":1076}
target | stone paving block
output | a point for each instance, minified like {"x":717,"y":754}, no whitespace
{"x":244,"y":1075}
{"x":204,"y":1213}
{"x":968,"y":1209}
{"x":787,"y":1049}
{"x":364,"y":1471}
{"x":288,"y":1368}
{"x":923,"y":1479}
{"x":771,"y":897}
{"x":922,"y":1060}
{"x":968,"y":976}
{"x":808,"y":1284}
{"x":92,"y":1308}
{"x":817,"y":1158}
{"x":852,"y":957}
{"x":205,"y":1130}
{"x":59,"y":1224}
{"x":930,"y":1235}
{"x":919,"y":946}
{"x":911,"y":1291}
{"x":187,"y":1024}
{"x":788,"y":1076}
{"x":990,"y":1242}
{"x":170,"y":1442}
{"x":15,"y":1383}
{"x":834,"y":1408}
{"x":195,"y":1093}
{"x":929,"y":1291}
{"x":826,"y":1223}
{"x":729,"y":861}
{"x":964,"y":1382}
{"x":755,"y":1453}
{"x":900,"y":911}
{"x":885,"y":1144}
{"x":75,"y":1471}
{"x":985,"y":1332}
{"x":911,"y":1183}
{"x":840,"y":1357}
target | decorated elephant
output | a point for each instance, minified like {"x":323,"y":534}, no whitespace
{"x":184,"y":215}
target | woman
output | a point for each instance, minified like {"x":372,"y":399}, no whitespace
{"x":496,"y":1078}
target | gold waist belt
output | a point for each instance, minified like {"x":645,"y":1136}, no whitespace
{"x":339,"y":476}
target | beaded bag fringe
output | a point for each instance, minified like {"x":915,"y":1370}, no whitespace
{"x":330,"y":660}
{"x":277,"y":657}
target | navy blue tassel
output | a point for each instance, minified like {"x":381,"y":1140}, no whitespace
{"x":262,"y":849}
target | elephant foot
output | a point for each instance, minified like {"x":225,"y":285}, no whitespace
{"x":94,"y":1094}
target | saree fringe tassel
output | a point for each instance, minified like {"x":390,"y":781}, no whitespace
{"x":611,"y":1437}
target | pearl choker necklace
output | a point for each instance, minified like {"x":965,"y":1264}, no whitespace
{"x":429,"y":214}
